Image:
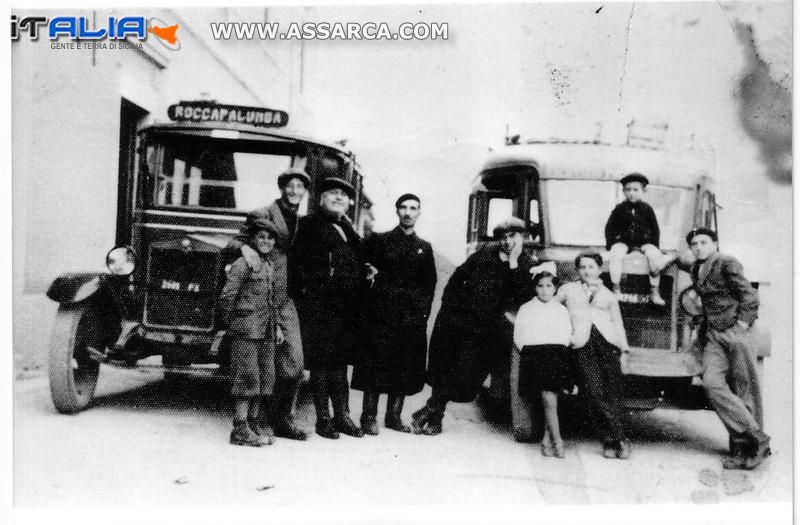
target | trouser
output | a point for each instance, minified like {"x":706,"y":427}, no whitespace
{"x":288,"y":375}
{"x":521,"y":406}
{"x":655,"y":260}
{"x":731,"y":382}
{"x":601,"y":378}
{"x":330,"y":383}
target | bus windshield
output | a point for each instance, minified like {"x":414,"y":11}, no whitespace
{"x":228,"y":175}
{"x":595,"y":200}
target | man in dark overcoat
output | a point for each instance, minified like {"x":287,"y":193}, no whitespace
{"x":293,"y":184}
{"x":730,"y":380}
{"x":327,"y":279}
{"x":471,"y":332}
{"x":396,"y":318}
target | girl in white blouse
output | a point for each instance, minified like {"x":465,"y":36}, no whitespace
{"x":541,"y":334}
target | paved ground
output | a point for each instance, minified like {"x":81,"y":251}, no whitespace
{"x":151,"y":441}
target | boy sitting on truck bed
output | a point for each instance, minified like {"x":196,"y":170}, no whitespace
{"x":633,"y":226}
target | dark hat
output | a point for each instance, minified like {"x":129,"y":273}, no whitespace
{"x":512,"y":224}
{"x":263,"y":224}
{"x":405,"y":197}
{"x":634,"y":177}
{"x":700,"y":231}
{"x":334,"y":183}
{"x":293,"y":173}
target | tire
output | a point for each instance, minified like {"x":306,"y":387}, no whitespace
{"x":72,"y":371}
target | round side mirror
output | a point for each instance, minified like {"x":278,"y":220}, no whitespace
{"x":121,"y":260}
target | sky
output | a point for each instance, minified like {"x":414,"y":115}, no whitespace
{"x":422,"y":116}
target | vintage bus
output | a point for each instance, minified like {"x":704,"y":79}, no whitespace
{"x":197,"y":177}
{"x":565,"y":191}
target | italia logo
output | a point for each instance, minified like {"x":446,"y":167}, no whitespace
{"x":110,"y":28}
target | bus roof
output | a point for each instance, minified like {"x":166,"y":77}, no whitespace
{"x":598,"y":161}
{"x":245,"y":131}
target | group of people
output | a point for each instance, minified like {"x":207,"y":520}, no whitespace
{"x":308,"y":292}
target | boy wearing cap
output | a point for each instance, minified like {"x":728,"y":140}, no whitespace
{"x":250,"y":302}
{"x":396,"y":316}
{"x":471,"y":333}
{"x":327,"y":282}
{"x":632,"y":225}
{"x":283,"y":213}
{"x":730,"y":306}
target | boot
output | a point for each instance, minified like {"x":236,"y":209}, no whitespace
{"x":369,"y":413}
{"x":244,"y":436}
{"x":757,"y":450}
{"x":261,"y":428}
{"x":394,"y":410}
{"x":287,"y":429}
{"x":282,"y":419}
{"x":655,"y":297}
{"x":325,"y":428}
{"x":319,"y":394}
{"x":419,"y":419}
{"x":340,"y":398}
{"x":737,"y":443}
{"x":428,"y":419}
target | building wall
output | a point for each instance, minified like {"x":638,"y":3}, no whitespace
{"x":66,"y":112}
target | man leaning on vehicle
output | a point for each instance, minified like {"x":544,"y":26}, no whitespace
{"x":730,"y":306}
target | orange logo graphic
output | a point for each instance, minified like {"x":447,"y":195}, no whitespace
{"x":165,"y":33}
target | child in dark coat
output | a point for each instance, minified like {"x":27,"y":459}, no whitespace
{"x":633,"y":226}
{"x":250,"y":303}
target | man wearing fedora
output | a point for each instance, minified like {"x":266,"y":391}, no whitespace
{"x":327,"y":280}
{"x":283,"y":214}
{"x":471,"y":333}
{"x":730,"y":306}
{"x":396,"y":318}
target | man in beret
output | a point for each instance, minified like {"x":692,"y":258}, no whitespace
{"x":396,"y":318}
{"x":471,"y":333}
{"x":327,"y":280}
{"x":293,"y":184}
{"x":632,"y":225}
{"x":730,"y":306}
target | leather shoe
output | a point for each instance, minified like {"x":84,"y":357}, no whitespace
{"x":262,"y":429}
{"x":419,"y":419}
{"x":624,"y":449}
{"x":609,"y":450}
{"x":369,"y":425}
{"x":325,"y":429}
{"x":397,"y":424}
{"x":243,"y":435}
{"x":432,"y":428}
{"x":288,"y":430}
{"x":346,"y":426}
{"x":752,"y":462}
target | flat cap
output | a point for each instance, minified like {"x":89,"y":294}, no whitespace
{"x":634,"y":177}
{"x":512,"y":224}
{"x":405,"y":197}
{"x":335,"y":183}
{"x":700,"y":231}
{"x":293,"y":173}
{"x":262,"y":224}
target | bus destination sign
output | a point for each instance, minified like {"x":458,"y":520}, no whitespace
{"x":213,"y":112}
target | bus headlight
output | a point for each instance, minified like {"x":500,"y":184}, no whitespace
{"x":121,"y":260}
